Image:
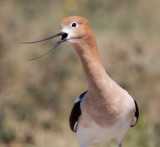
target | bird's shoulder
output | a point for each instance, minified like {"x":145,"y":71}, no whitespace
{"x":136,"y":116}
{"x":76,"y":112}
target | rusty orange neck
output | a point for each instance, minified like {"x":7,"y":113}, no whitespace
{"x":87,"y":50}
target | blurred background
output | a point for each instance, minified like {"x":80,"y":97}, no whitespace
{"x":36,"y":97}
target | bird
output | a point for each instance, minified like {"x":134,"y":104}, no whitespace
{"x":105,"y":111}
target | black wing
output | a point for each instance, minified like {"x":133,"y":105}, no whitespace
{"x":75,"y":113}
{"x":136,"y":113}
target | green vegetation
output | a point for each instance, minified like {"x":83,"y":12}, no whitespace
{"x":36,"y":97}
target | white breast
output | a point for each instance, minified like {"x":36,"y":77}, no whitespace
{"x":96,"y":134}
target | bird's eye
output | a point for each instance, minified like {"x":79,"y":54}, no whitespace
{"x":74,"y":24}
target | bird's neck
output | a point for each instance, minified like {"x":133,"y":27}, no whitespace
{"x":98,"y":79}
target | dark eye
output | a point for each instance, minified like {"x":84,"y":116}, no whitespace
{"x":74,"y":24}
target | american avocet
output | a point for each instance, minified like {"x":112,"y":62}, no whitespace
{"x":106,"y":111}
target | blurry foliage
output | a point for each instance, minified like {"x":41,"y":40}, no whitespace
{"x":36,"y":97}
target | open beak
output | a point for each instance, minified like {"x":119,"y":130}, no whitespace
{"x":63,"y":39}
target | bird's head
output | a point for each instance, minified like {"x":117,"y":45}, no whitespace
{"x":73,"y":30}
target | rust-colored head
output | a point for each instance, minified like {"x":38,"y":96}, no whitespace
{"x":75,"y":27}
